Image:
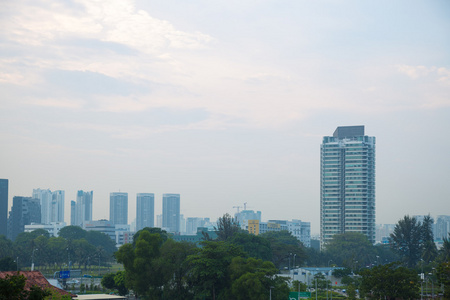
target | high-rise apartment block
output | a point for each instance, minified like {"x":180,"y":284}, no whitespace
{"x":347,"y":183}
{"x":171,"y":212}
{"x":145,"y":210}
{"x":3,"y":207}
{"x":118,"y":208}
{"x":52,"y":205}
{"x":83,"y":207}
{"x":25,"y":210}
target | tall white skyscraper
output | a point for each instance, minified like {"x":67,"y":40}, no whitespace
{"x":118,"y":208}
{"x":171,"y":212}
{"x":52,"y":205}
{"x":145,"y":210}
{"x":83,"y":207}
{"x":347,"y":183}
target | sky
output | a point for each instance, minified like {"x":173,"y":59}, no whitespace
{"x":224,"y":102}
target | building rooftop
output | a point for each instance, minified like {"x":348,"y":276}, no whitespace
{"x":348,"y":131}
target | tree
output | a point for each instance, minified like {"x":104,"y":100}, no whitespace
{"x":253,"y":278}
{"x":444,"y":252}
{"x":390,"y":281}
{"x":175,"y":268}
{"x":284,"y":245}
{"x":350,"y":250}
{"x":254,"y":245}
{"x":226,"y":227}
{"x":406,"y":240}
{"x":142,"y":272}
{"x":443,"y":276}
{"x":7,"y":264}
{"x":108,"y":281}
{"x":72,"y":232}
{"x":100,"y":239}
{"x":209,"y":269}
{"x":6,"y":247}
{"x":429,"y":249}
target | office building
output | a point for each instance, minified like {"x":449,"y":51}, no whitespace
{"x":118,"y":208}
{"x":3,"y":207}
{"x":442,"y":227}
{"x":192,"y":224}
{"x":53,"y":228}
{"x":57,"y":208}
{"x":347,"y":183}
{"x":171,"y":213}
{"x":83,"y":208}
{"x":25,"y":210}
{"x":145,"y":210}
{"x":45,"y":199}
{"x":73,"y":214}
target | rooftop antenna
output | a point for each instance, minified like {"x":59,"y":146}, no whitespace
{"x":245,"y":205}
{"x":237,"y":208}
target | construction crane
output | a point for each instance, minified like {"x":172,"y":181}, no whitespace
{"x":237,"y":208}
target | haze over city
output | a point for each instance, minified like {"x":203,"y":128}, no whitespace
{"x":224,"y":102}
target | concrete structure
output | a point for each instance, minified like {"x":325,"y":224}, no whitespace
{"x":199,"y":236}
{"x":193,"y":223}
{"x":73,"y":206}
{"x":145,"y":210}
{"x":3,"y":207}
{"x":347,"y":183}
{"x":300,"y":230}
{"x":53,"y":228}
{"x":382,"y":232}
{"x":25,"y":210}
{"x":442,"y":227}
{"x":243,"y":216}
{"x":171,"y":213}
{"x":118,"y":208}
{"x":83,"y":207}
{"x":119,"y":233}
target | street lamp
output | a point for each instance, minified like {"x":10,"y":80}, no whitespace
{"x":32,"y":259}
{"x":270,"y":292}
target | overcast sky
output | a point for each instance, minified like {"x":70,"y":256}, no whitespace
{"x":224,"y":102}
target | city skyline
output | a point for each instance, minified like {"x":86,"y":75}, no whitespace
{"x":224,"y":103}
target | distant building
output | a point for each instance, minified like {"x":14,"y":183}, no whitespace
{"x":300,"y":230}
{"x":57,"y":213}
{"x":3,"y":207}
{"x":382,"y":232}
{"x":442,"y":227}
{"x":73,"y":206}
{"x":193,"y":223}
{"x":243,"y":216}
{"x":119,"y":233}
{"x":118,"y":208}
{"x":83,"y":207}
{"x":200,"y":235}
{"x":25,"y":210}
{"x":171,"y":213}
{"x":347,"y":183}
{"x":145,"y":210}
{"x":53,"y":228}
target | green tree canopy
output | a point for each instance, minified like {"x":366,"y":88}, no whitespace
{"x":253,"y":278}
{"x":254,"y":245}
{"x":284,"y":245}
{"x":72,"y":233}
{"x":209,"y":269}
{"x":406,"y":240}
{"x":390,"y":281}
{"x":429,"y":249}
{"x":227,"y":226}
{"x":350,"y":250}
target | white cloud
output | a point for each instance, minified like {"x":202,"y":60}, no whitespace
{"x":415,"y":72}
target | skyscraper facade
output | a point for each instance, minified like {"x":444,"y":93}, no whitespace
{"x":83,"y":207}
{"x":118,"y":208}
{"x":145,"y":210}
{"x":25,"y":210}
{"x":171,"y":212}
{"x":52,"y":205}
{"x":347,"y":183}
{"x":3,"y":207}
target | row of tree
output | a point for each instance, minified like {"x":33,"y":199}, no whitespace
{"x":73,"y":247}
